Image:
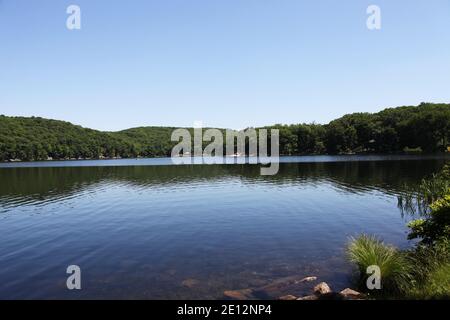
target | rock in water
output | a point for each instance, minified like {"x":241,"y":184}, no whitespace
{"x":288,"y":297}
{"x":351,"y":294}
{"x":308,"y":279}
{"x":312,"y":297}
{"x":189,"y":283}
{"x":331,"y":296}
{"x":292,"y":285}
{"x":244,"y":294}
{"x":322,"y":288}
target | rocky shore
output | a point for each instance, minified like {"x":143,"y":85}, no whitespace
{"x":291,"y":288}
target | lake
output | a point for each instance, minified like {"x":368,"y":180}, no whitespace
{"x":146,"y":229}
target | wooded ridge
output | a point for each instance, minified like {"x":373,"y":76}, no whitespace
{"x":423,"y":128}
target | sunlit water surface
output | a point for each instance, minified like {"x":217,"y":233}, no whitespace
{"x":140,"y":231}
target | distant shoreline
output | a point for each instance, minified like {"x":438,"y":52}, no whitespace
{"x":420,"y":154}
{"x":167,"y":161}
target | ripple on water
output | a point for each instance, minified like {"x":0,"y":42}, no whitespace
{"x":142,"y":231}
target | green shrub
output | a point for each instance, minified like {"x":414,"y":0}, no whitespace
{"x":436,"y":227}
{"x":431,"y":272}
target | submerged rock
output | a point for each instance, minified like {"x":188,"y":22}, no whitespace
{"x":292,"y":285}
{"x":288,"y":297}
{"x":244,"y":294}
{"x":308,"y":279}
{"x":311,"y":297}
{"x":189,"y":283}
{"x":331,"y":296}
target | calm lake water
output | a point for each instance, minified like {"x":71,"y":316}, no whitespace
{"x":146,"y":229}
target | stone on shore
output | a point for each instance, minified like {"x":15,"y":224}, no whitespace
{"x":351,"y":294}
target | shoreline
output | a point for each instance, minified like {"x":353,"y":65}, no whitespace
{"x":419,"y":154}
{"x":167,"y":161}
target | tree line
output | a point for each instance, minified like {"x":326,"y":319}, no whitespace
{"x":424,"y":128}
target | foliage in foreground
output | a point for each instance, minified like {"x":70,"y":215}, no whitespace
{"x":430,"y":272}
{"x":420,"y":273}
{"x":424,"y":271}
{"x":434,"y":227}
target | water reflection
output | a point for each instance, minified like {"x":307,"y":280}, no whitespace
{"x":34,"y":185}
{"x":191,"y":231}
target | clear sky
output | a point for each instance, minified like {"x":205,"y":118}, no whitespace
{"x":227,"y":63}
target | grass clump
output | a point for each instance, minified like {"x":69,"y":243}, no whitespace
{"x":394,"y":264}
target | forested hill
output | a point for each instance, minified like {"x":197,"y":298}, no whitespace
{"x":425,"y":127}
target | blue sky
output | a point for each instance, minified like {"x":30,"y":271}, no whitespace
{"x":227,"y":63}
